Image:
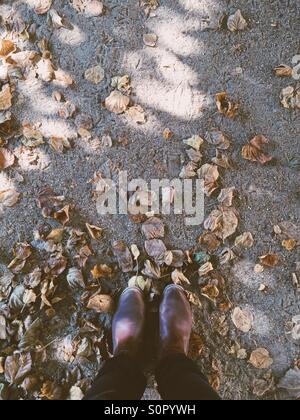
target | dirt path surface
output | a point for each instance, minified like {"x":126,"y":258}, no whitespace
{"x":175,"y":82}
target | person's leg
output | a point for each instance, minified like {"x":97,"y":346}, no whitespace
{"x":120,"y":378}
{"x":178,"y":377}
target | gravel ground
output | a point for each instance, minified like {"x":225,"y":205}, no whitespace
{"x":175,"y":83}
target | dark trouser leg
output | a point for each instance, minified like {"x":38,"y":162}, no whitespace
{"x":119,"y":379}
{"x":179,"y":378}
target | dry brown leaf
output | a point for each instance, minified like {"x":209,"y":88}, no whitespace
{"x":195,"y":142}
{"x":179,"y":278}
{"x":289,"y":244}
{"x":290,"y":97}
{"x":59,"y":144}
{"x":153,"y":228}
{"x":5,"y":98}
{"x":3,"y":332}
{"x":156,"y":249}
{"x":283,"y":71}
{"x":254,"y":150}
{"x":226,"y":196}
{"x":188,"y":171}
{"x":196,"y":346}
{"x":101,"y":303}
{"x":242,"y":319}
{"x":116,"y":102}
{"x":95,"y":74}
{"x":209,"y":241}
{"x":291,"y":383}
{"x":205,"y":269}
{"x":174,"y":258}
{"x":167,"y":134}
{"x":151,"y":270}
{"x":150,"y":40}
{"x":260,"y":359}
{"x":236,"y":22}
{"x":226,"y":106}
{"x":40,"y":7}
{"x":211,"y":292}
{"x":218,"y":139}
{"x":63,"y":215}
{"x":222,"y":160}
{"x":269,"y":260}
{"x":17,"y":367}
{"x":121,"y":83}
{"x":7,"y":158}
{"x":101,"y":271}
{"x":194,"y":155}
{"x":123,"y":255}
{"x":136,"y":114}
{"x":244,"y":241}
{"x":32,"y":136}
{"x":63,"y":79}
{"x":6,"y":48}
{"x":91,"y":8}
{"x":45,"y":69}
{"x":210,"y":175}
{"x":67,"y":110}
{"x":75,"y":279}
{"x":222,"y":222}
{"x":290,"y":230}
{"x":8,"y":194}
{"x":95,"y":232}
{"x":51,"y":391}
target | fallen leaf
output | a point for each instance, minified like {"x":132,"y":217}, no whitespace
{"x":210,"y":175}
{"x":95,"y":232}
{"x":222,"y":160}
{"x":59,"y":144}
{"x":242,"y":319}
{"x":6,"y":47}
{"x":167,"y":134}
{"x":260,"y":359}
{"x":139,"y":281}
{"x":101,"y":303}
{"x":7,"y":158}
{"x":153,"y":228}
{"x":57,"y":21}
{"x":150,"y":40}
{"x":226,"y":106}
{"x":269,"y":260}
{"x":194,"y":155}
{"x":218,"y":139}
{"x":211,"y":292}
{"x":63,"y":79}
{"x":205,"y":269}
{"x":226,"y":196}
{"x":75,"y":279}
{"x":41,"y":7}
{"x":222,"y":222}
{"x":254,"y":150}
{"x":195,"y":142}
{"x":3,"y":333}
{"x":151,"y":270}
{"x":136,"y":114}
{"x":123,"y":255}
{"x":283,"y":71}
{"x":174,"y":258}
{"x":244,"y":241}
{"x":122,"y":83}
{"x":117,"y":102}
{"x":67,"y":110}
{"x":135,"y":252}
{"x":263,"y":386}
{"x":5,"y":98}
{"x":156,"y":249}
{"x":209,"y":241}
{"x":63,"y":215}
{"x":179,"y":278}
{"x":95,"y":74}
{"x":290,"y":97}
{"x":75,"y":394}
{"x":196,"y":346}
{"x":290,"y":230}
{"x":17,"y":367}
{"x":32,"y":136}
{"x":236,"y":22}
{"x":91,"y":8}
{"x":291,"y":383}
{"x":188,"y":171}
{"x":101,"y":271}
{"x":51,"y":391}
{"x":45,"y":69}
{"x":289,"y":244}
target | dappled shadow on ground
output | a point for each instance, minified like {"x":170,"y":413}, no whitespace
{"x":175,"y":83}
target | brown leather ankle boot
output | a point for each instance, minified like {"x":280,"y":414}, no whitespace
{"x":175,"y":322}
{"x":128,"y":323}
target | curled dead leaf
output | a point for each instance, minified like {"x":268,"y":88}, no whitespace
{"x":101,"y":271}
{"x":6,"y":47}
{"x":223,"y":222}
{"x":7,"y":158}
{"x":116,"y":102}
{"x":59,"y":144}
{"x":5,"y":98}
{"x":242,"y":319}
{"x":269,"y":260}
{"x":95,"y":74}
{"x":136,"y":114}
{"x":101,"y":303}
{"x":226,"y":106}
{"x":195,"y":142}
{"x":210,"y":175}
{"x":283,"y":71}
{"x":95,"y":232}
{"x":153,"y":228}
{"x":123,"y":255}
{"x":150,"y":40}
{"x":236,"y":22}
{"x":260,"y":359}
{"x":254,"y":150}
{"x":218,"y":139}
